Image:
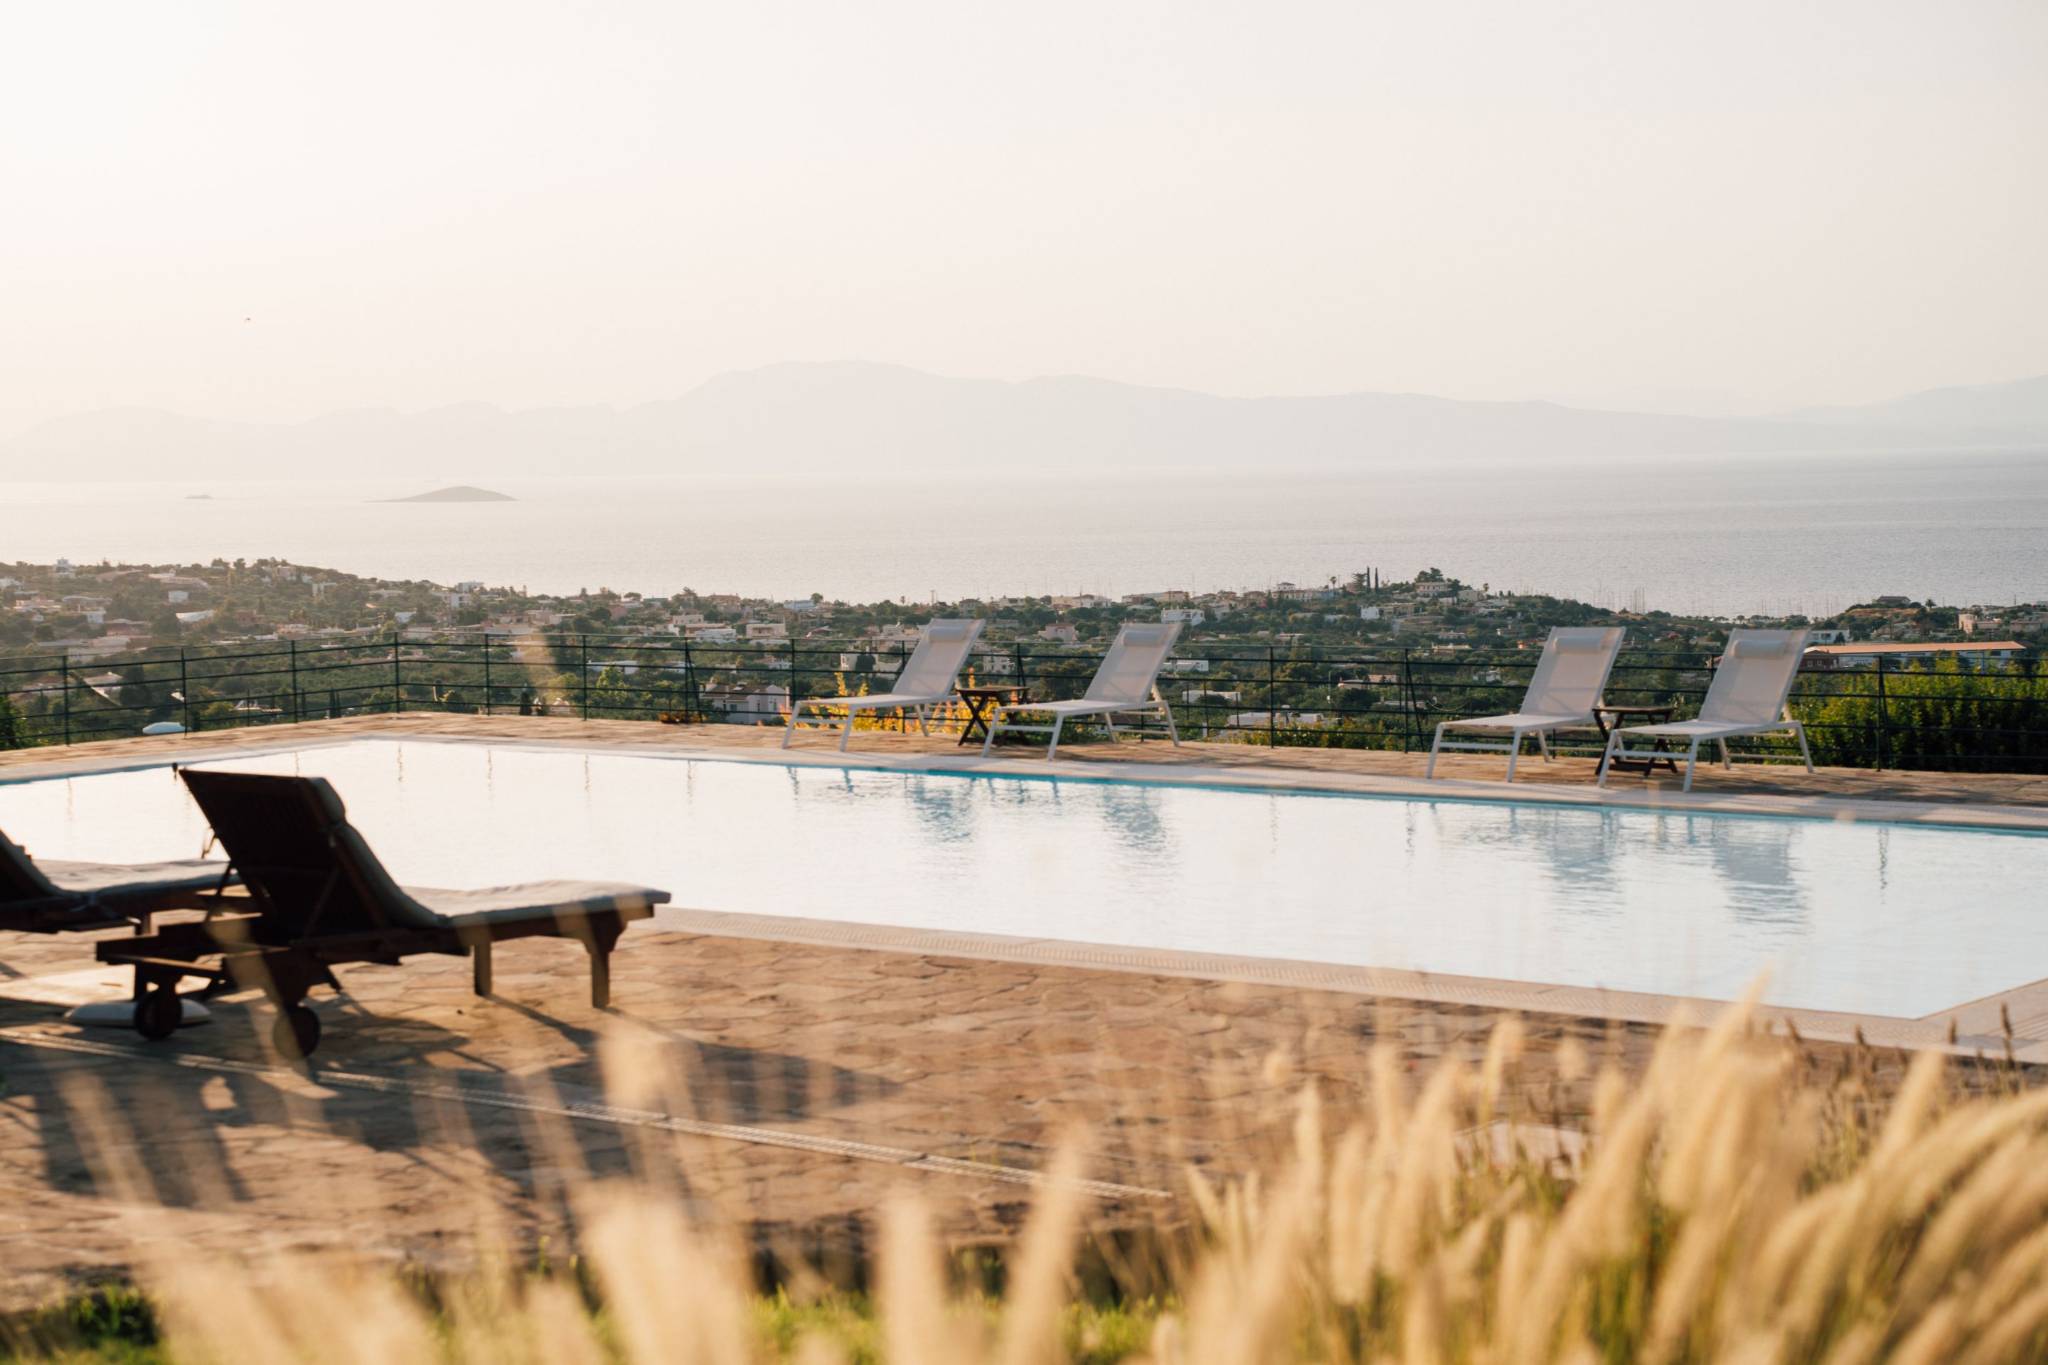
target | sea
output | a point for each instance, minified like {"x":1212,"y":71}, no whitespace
{"x":1726,"y":537}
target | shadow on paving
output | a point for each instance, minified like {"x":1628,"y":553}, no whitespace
{"x":147,"y":1129}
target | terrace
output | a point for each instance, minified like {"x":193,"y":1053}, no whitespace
{"x":805,"y":1070}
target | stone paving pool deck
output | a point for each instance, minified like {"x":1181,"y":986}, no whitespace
{"x":789,"y":1076}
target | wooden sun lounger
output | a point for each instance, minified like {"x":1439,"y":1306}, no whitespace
{"x":38,"y":897}
{"x":318,"y":897}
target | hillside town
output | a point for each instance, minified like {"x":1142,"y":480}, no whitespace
{"x":101,"y":613}
{"x":107,"y":649}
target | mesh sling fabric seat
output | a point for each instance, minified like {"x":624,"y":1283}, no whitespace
{"x":925,"y":682}
{"x":1747,"y":697}
{"x":1567,"y":685}
{"x":1126,"y":683}
{"x":321,"y":897}
{"x":39,"y":897}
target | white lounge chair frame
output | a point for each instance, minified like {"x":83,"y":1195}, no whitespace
{"x":1569,"y":681}
{"x":1126,"y":683}
{"x":925,"y":681}
{"x":1748,"y":696}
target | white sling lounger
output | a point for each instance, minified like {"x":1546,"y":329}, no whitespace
{"x":1569,"y":679}
{"x":1746,"y":697}
{"x":926,"y":681}
{"x":1124,"y":683}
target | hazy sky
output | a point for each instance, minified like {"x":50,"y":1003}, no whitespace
{"x":1720,"y":207}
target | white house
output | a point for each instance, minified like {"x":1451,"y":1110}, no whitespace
{"x":753,"y":708}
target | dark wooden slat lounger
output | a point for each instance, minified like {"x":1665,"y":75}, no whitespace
{"x":70,"y":897}
{"x":318,"y":897}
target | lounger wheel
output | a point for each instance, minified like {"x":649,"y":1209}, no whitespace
{"x":159,"y":1012}
{"x":296,"y":1032}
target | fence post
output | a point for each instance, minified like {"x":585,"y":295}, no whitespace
{"x":696,"y":707}
{"x":184,"y":688}
{"x":487,"y":672}
{"x":1883,"y":715}
{"x":585,"y":671}
{"x":64,"y":677}
{"x":397,"y":677}
{"x":1272,"y":703}
{"x":1335,"y":720}
{"x":1023,"y":692}
{"x":298,"y":709}
{"x":902,"y":717}
{"x":793,"y":694}
{"x":1407,"y":700}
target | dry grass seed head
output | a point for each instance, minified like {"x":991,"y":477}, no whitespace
{"x":1041,"y":1286}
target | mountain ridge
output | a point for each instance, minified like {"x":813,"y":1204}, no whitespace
{"x":855,"y":418}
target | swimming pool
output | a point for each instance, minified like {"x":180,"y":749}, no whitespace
{"x":1869,"y":918}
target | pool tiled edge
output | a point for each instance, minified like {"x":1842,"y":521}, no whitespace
{"x":1934,"y":1031}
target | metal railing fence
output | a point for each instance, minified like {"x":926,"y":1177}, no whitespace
{"x":1994,"y":719}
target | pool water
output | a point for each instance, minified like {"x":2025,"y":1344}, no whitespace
{"x":1871,"y":918}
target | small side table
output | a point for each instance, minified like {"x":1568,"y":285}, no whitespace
{"x":980,"y":702}
{"x":1612,"y":718}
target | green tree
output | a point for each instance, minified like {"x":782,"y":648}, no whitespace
{"x":13,"y":726}
{"x":1946,"y":717}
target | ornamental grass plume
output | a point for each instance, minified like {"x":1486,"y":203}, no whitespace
{"x":1729,"y":1203}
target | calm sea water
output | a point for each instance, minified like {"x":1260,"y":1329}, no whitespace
{"x":1797,"y":534}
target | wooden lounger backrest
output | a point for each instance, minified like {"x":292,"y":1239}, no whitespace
{"x":19,"y":879}
{"x":310,"y":871}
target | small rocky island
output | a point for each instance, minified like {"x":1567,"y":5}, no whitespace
{"x":461,"y":492}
